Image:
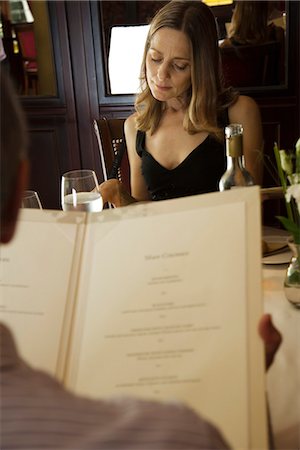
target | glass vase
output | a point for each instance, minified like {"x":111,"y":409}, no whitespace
{"x":292,"y":277}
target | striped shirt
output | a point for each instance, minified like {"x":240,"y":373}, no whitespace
{"x":38,"y":413}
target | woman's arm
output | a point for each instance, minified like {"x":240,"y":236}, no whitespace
{"x":137,"y":182}
{"x":246,"y":112}
{"x":113,"y":191}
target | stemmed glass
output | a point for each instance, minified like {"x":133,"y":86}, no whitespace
{"x":31,"y":200}
{"x":79,"y":191}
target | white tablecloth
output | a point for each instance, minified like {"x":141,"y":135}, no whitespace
{"x":283,"y":378}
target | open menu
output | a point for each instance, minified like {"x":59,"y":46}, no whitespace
{"x":158,"y":300}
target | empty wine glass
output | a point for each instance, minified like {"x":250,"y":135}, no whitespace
{"x":79,"y":191}
{"x":31,"y":200}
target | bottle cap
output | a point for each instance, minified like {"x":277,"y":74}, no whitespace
{"x":234,"y":129}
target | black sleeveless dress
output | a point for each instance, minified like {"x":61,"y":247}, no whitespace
{"x":198,"y":173}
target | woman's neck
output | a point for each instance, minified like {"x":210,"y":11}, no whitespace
{"x":176,"y":104}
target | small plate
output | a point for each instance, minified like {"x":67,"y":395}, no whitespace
{"x":270,"y":248}
{"x":278,"y":258}
{"x":277,"y":251}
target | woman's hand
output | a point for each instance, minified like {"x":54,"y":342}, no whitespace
{"x":113,"y":191}
{"x":271,"y":337}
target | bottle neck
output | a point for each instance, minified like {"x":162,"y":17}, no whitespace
{"x":235,"y":162}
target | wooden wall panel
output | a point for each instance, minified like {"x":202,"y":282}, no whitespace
{"x":48,"y":159}
{"x":44,"y":166}
{"x":52,"y":121}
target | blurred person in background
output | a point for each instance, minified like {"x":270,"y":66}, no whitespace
{"x":250,"y":25}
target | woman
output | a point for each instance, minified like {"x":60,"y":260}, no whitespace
{"x":249,"y":25}
{"x":175,"y":138}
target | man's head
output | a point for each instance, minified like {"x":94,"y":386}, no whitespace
{"x":13,"y":162}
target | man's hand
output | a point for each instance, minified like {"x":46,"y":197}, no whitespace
{"x":271,"y":337}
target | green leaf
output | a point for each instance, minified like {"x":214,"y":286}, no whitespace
{"x":282,"y":180}
{"x":291,"y":227}
{"x":279,"y":168}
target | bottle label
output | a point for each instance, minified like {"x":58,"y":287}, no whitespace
{"x":234,"y":146}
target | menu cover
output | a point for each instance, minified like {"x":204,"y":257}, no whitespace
{"x":159,"y":300}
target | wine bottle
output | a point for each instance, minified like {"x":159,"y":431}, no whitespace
{"x":236,"y":175}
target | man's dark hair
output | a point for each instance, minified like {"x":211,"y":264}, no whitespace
{"x":13,"y":135}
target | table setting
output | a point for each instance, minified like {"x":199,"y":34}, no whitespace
{"x":280,"y":270}
{"x":283,"y":377}
{"x":30,"y":199}
{"x":80,"y":192}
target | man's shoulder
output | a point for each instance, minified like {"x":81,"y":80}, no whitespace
{"x":8,"y":349}
{"x":170,"y":422}
{"x":117,"y":422}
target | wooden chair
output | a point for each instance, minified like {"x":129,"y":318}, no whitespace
{"x":26,"y":42}
{"x":112,"y":149}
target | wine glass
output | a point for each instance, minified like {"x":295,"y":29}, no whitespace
{"x":31,"y":199}
{"x":79,"y":191}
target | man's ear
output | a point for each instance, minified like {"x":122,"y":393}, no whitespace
{"x":9,"y":219}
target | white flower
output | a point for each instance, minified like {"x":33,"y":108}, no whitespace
{"x":293,"y":191}
{"x":286,"y":162}
{"x":298,"y":156}
{"x":298,"y":146}
{"x":294,"y":178}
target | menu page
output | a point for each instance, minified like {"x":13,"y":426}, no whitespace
{"x":35,"y":285}
{"x":163,"y":310}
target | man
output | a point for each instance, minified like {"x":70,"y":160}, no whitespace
{"x":36,"y":411}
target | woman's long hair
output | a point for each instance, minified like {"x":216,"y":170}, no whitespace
{"x":207,"y":97}
{"x":250,"y":22}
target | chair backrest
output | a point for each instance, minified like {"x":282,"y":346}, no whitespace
{"x":251,"y":65}
{"x":26,"y":40}
{"x":112,"y":149}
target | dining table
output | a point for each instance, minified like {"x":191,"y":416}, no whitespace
{"x":283,"y":377}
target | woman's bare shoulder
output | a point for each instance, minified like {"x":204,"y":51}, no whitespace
{"x":130,"y":134}
{"x":243,"y":106}
{"x":130,"y":124}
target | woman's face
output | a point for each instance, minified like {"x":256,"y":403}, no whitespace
{"x":168,"y":64}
